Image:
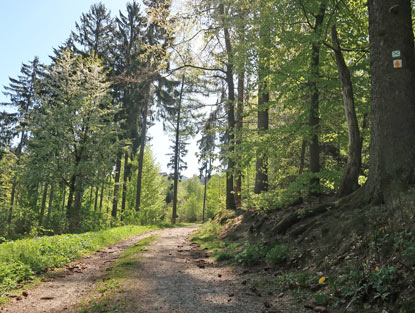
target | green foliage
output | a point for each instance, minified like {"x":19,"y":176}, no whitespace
{"x":252,"y":254}
{"x":277,"y":254}
{"x":19,"y":259}
{"x":153,"y":190}
{"x":378,"y":283}
{"x":13,"y":273}
{"x":215,"y":199}
{"x":299,"y":279}
{"x":207,"y":232}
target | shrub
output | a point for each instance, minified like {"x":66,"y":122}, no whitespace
{"x":277,"y":254}
{"x":251,"y":255}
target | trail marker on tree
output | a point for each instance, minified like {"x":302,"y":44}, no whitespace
{"x":397,"y":63}
{"x":396,"y":54}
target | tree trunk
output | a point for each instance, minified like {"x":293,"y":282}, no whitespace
{"x":51,"y":194}
{"x":96,"y":198}
{"x":10,"y":216}
{"x":392,"y":149}
{"x":238,"y":130}
{"x":64,"y":198}
{"x":101,"y":197}
{"x":261,"y":177}
{"x":141,"y":156}
{"x":302,"y":157}
{"x":176,"y":156}
{"x":314,"y":121}
{"x":75,"y":223}
{"x":230,"y":198}
{"x":43,"y":205}
{"x":124,"y":185}
{"x":349,"y":182}
{"x":114,"y":210}
{"x":69,"y":211}
{"x":204,"y":195}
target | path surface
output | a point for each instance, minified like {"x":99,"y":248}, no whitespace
{"x":63,"y":289}
{"x":174,"y":276}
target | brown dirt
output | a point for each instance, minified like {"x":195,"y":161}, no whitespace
{"x":62,"y":289}
{"x":174,"y":276}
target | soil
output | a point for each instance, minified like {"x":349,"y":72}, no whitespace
{"x":174,"y":275}
{"x":63,"y":288}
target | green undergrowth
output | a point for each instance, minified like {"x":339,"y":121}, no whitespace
{"x":365,"y":263}
{"x":106,"y":295}
{"x":245,"y":253}
{"x":20,"y":260}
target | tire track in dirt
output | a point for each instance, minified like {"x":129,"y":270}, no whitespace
{"x":63,"y":289}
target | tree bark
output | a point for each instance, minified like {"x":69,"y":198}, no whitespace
{"x":69,"y":211}
{"x":124,"y":185}
{"x":392,"y":149}
{"x":114,"y":211}
{"x":43,"y":204}
{"x":11,"y":208}
{"x":302,"y":157}
{"x":96,"y":198}
{"x":261,"y":177}
{"x":64,"y":198}
{"x":141,"y":156}
{"x":314,"y":120}
{"x":349,"y":182}
{"x":51,"y":194}
{"x":76,"y":218}
{"x":238,"y":130}
{"x":230,"y":110}
{"x":101,"y":197}
{"x":176,"y":156}
{"x":204,"y":195}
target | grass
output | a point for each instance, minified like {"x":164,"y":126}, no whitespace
{"x":21,"y":259}
{"x":104,"y":297}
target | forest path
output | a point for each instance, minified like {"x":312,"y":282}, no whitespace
{"x":172,"y":276}
{"x":61,"y":289}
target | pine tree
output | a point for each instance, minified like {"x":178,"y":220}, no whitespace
{"x":94,"y":33}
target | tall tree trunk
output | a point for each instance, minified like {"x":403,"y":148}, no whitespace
{"x":230,"y":110}
{"x":11,"y":208}
{"x":204,"y":195}
{"x":239,"y":111}
{"x":51,"y":195}
{"x":114,"y":210}
{"x":238,"y":131}
{"x":314,"y":120}
{"x":302,"y":157}
{"x":349,"y":182}
{"x":261,"y":177}
{"x":14,"y":184}
{"x":141,"y":155}
{"x":101,"y":197}
{"x":75,"y":223}
{"x":64,"y":198}
{"x":69,"y":210}
{"x":176,"y":155}
{"x":392,"y":149}
{"x":96,"y":198}
{"x":124,"y":184}
{"x":43,"y":204}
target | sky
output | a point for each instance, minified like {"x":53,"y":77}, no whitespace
{"x":30,"y":28}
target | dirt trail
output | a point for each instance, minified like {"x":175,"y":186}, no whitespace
{"x":174,"y":276}
{"x":63,"y":289}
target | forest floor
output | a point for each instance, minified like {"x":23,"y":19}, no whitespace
{"x":171,"y":274}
